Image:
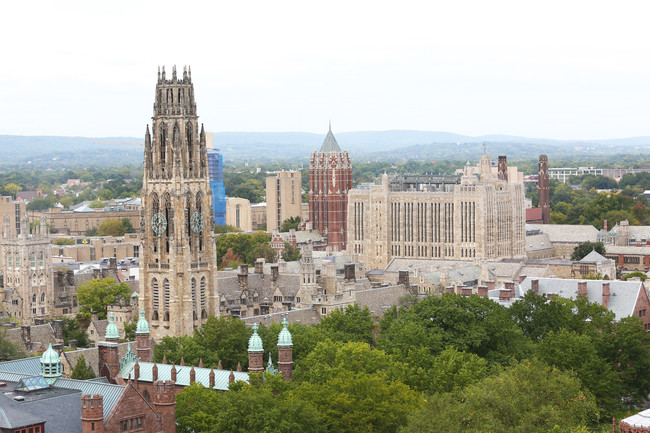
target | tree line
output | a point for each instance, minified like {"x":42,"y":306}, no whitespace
{"x":448,"y":363}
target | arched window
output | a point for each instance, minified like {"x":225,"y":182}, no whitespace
{"x":194,"y":294}
{"x":204,"y":313}
{"x":32,"y":260}
{"x":166,"y":294}
{"x":42,"y":297}
{"x":154,"y":286}
{"x":40,"y":259}
{"x":34,"y":297}
{"x":17,"y":261}
{"x":10,"y":261}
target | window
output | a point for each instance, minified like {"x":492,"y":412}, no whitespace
{"x":32,"y":260}
{"x":323,"y":310}
{"x":40,"y":259}
{"x":131,"y":424}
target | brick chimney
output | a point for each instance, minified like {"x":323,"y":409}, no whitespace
{"x":349,"y":272}
{"x":242,"y":277}
{"x":582,"y":288}
{"x":522,"y":278}
{"x":483,"y":291}
{"x":275,"y":273}
{"x":72,"y":344}
{"x":450,"y":289}
{"x":92,"y":413}
{"x":403,"y":278}
{"x":534,"y":286}
{"x":259,"y":267}
{"x":465,"y":290}
{"x":26,"y":334}
{"x":606,"y":294}
{"x":58,"y":330}
{"x":164,"y":403}
{"x":490,"y":284}
{"x":70,"y":277}
{"x":605,"y":225}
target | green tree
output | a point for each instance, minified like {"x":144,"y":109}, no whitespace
{"x":97,"y":294}
{"x":351,"y":324}
{"x":39,"y":204}
{"x":265,"y":251}
{"x":527,"y":397}
{"x":106,"y":194}
{"x":584,"y":248}
{"x":8,"y":349}
{"x":64,"y":241}
{"x":91,"y":231}
{"x":128,"y":227}
{"x":12,"y":189}
{"x":219,"y":229}
{"x":81,"y":371}
{"x":290,"y":254}
{"x":112,"y":227}
{"x":96,"y":204}
{"x":67,"y":202}
{"x":129,"y":330}
{"x":72,"y":331}
{"x":290,"y":223}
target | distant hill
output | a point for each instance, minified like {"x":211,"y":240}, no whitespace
{"x":258,"y":146}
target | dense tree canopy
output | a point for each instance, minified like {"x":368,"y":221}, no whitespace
{"x":97,"y":294}
{"x":584,"y":248}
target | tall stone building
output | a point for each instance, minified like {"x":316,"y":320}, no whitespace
{"x":27,"y":286}
{"x":283,"y":198}
{"x":330,"y":179}
{"x":178,"y":274}
{"x":474,"y":216}
{"x":544,"y":201}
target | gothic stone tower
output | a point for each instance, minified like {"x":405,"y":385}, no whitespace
{"x":544,"y":194}
{"x":178,"y":273}
{"x":27,"y":270}
{"x":330,"y":178}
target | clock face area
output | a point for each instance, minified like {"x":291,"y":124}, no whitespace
{"x":158,"y":223}
{"x":197,"y":222}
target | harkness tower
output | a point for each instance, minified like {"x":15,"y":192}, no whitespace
{"x":178,"y":268}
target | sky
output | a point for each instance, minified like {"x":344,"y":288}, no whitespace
{"x":553,"y":69}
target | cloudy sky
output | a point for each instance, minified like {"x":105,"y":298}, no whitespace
{"x":555,"y":69}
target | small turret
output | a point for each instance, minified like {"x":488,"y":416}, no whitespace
{"x":112,"y":333}
{"x":255,"y":352}
{"x":164,"y":403}
{"x":92,"y":413}
{"x":51,"y":365}
{"x":285,"y":351}
{"x":143,"y":343}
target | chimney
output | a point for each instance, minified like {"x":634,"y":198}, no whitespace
{"x":275,"y":273}
{"x":534,"y":286}
{"x":508,"y":292}
{"x":173,"y":373}
{"x":259,"y":267}
{"x":72,"y":344}
{"x":242,"y":278}
{"x":94,"y":315}
{"x":164,"y":403}
{"x":58,"y":330}
{"x":154,"y":372}
{"x":522,"y":278}
{"x":60,"y":278}
{"x":605,"y":225}
{"x":403,"y":278}
{"x":70,"y":277}
{"x":449,"y":289}
{"x":349,"y":272}
{"x":192,"y":375}
{"x":58,"y":347}
{"x":483,"y":291}
{"x":582,"y":288}
{"x":464,"y":290}
{"x":26,"y":334}
{"x":549,"y":296}
{"x":490,"y":284}
{"x":606,"y":294}
{"x":92,"y":413}
{"x":211,"y":378}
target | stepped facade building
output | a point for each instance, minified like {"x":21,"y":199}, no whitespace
{"x":477,"y":215}
{"x":178,"y":265}
{"x":330,"y":179}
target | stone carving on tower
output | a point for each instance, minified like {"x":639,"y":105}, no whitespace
{"x":178,"y":268}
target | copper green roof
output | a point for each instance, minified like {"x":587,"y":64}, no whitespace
{"x":284,"y":338}
{"x":255,"y":342}
{"x":111,"y":329}
{"x":201,"y":374}
{"x":143,"y":326}
{"x":51,"y":365}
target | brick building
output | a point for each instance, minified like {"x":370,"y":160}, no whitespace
{"x":330,"y":179}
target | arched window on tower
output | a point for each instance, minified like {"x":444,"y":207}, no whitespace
{"x":34,"y":298}
{"x":194,"y":298}
{"x":40,"y":259}
{"x":42,"y":297}
{"x":199,"y":210}
{"x":204,"y":313}
{"x":32,"y":260}
{"x":10,"y":261}
{"x":155,"y":299}
{"x":166,"y":296}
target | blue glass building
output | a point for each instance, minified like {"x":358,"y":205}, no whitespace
{"x":215,"y":168}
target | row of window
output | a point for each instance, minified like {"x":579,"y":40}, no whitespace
{"x":131,"y":424}
{"x":32,"y":260}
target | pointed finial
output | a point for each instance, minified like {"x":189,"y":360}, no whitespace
{"x":231,"y":378}
{"x":182,"y":361}
{"x":200,"y":362}
{"x":164,"y":359}
{"x":238,"y":366}
{"x":219,"y":366}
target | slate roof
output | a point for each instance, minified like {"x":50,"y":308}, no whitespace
{"x":426,"y":265}
{"x":638,"y":233}
{"x":202,"y":375}
{"x":100,"y":328}
{"x":380,"y":299}
{"x":568,"y":233}
{"x":287,"y":283}
{"x":623,"y":294}
{"x":306,"y":316}
{"x":330,"y":144}
{"x":11,"y":417}
{"x":466,"y":274}
{"x":40,"y":335}
{"x":539,"y":242}
{"x":594,"y":256}
{"x":615,"y":249}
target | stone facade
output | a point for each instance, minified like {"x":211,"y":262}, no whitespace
{"x":178,"y":266}
{"x":75,"y":223}
{"x":283,"y":198}
{"x":330,"y":179}
{"x":544,"y":190}
{"x":26,"y":267}
{"x":238,"y":213}
{"x":438,"y":217}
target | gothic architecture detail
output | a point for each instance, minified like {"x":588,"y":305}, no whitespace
{"x":178,"y":274}
{"x":479,"y":215}
{"x":544,"y":190}
{"x":26,"y":266}
{"x":330,"y":178}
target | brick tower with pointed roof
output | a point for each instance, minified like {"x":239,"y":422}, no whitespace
{"x":330,"y":178}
